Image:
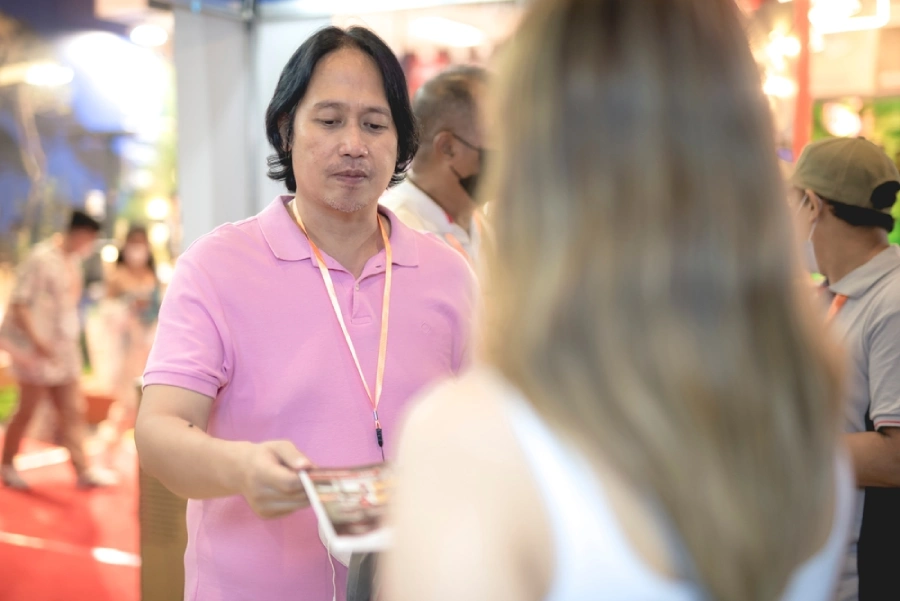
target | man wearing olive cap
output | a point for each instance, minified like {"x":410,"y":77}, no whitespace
{"x":843,"y":193}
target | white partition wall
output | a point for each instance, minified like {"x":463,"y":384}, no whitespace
{"x":213,"y":82}
{"x":226,"y":73}
{"x":273,"y":43}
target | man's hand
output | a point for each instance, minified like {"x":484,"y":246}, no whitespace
{"x":270,"y":481}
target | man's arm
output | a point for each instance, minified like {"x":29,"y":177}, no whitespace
{"x":22,"y":316}
{"x":876,"y":457}
{"x":29,"y":278}
{"x":174,"y":447}
{"x":188,"y":365}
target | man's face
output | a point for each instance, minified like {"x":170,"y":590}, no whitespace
{"x":83,"y":242}
{"x":801,"y":207}
{"x":344,"y":147}
{"x":467,"y":159}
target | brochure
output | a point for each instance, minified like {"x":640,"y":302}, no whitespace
{"x":350,"y":504}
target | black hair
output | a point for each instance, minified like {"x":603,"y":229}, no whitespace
{"x":294,"y":81}
{"x":137,"y":230}
{"x":82,"y":221}
{"x":882,"y":198}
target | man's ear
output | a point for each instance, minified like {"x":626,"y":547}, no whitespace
{"x":818,"y":205}
{"x":442,"y":144}
{"x":286,"y":130}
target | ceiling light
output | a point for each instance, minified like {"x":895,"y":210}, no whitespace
{"x":149,"y":35}
{"x":164,"y":272}
{"x":836,"y":16}
{"x":159,"y":234}
{"x":779,"y":87}
{"x":109,"y":253}
{"x":158,"y":208}
{"x":446,"y":32}
{"x":48,"y":75}
{"x":841,"y":120}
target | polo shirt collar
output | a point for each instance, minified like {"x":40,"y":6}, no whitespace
{"x":857,"y":282}
{"x":404,"y":242}
{"x":431,"y":212}
{"x":289,"y":244}
{"x":426,"y":207}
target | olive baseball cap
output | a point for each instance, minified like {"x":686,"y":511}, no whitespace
{"x":846,"y":170}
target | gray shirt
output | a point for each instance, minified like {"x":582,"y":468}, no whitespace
{"x":869,"y":324}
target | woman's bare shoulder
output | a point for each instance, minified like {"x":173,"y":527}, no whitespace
{"x":465,"y":501}
{"x":457,"y":410}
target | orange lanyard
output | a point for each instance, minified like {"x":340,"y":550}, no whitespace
{"x":385,"y":310}
{"x":455,"y":243}
{"x":457,"y":246}
{"x":836,"y":304}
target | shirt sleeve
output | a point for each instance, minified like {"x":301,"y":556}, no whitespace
{"x":28,"y":281}
{"x":193,"y":347}
{"x":884,"y":375}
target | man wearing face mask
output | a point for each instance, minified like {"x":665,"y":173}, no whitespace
{"x":41,"y":330}
{"x":439,"y":194}
{"x":844,"y":191}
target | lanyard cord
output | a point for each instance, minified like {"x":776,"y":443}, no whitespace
{"x":457,"y":245}
{"x":375,"y":399}
{"x":836,"y":305}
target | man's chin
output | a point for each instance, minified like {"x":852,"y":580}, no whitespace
{"x":348,"y":205}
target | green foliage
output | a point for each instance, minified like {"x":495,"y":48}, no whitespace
{"x":9,"y":397}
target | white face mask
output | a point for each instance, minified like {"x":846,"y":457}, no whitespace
{"x":136,"y":255}
{"x":809,"y":251}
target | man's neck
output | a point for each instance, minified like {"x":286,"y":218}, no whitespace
{"x":852,"y":254}
{"x":66,"y":245}
{"x":459,"y":213}
{"x":351,"y":239}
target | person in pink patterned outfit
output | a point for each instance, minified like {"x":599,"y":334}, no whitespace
{"x":41,"y":331}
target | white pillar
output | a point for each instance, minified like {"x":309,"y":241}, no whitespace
{"x":226,"y":74}
{"x":213,"y":78}
{"x":274,"y":41}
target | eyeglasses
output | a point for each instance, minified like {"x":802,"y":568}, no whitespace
{"x":465,"y":142}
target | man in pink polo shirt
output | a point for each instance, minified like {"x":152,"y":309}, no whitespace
{"x":298,"y":336}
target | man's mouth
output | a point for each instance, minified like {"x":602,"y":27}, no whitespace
{"x":351,"y":176}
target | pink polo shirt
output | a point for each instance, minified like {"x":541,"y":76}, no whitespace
{"x":247,"y":321}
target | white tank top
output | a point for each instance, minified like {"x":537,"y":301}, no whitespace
{"x":595,"y":560}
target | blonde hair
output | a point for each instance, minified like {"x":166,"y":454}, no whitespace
{"x":643,"y":280}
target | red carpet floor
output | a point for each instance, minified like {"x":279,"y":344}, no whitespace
{"x":58,"y":543}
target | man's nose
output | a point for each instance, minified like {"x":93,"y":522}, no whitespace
{"x":353,"y":144}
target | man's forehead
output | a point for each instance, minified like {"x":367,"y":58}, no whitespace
{"x":347,"y":66}
{"x":359,"y":105}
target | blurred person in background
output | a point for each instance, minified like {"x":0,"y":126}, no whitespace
{"x":438,"y":195}
{"x":41,"y":330}
{"x":844,"y":189}
{"x":129,"y":311}
{"x":657,"y":411}
{"x":278,"y":334}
